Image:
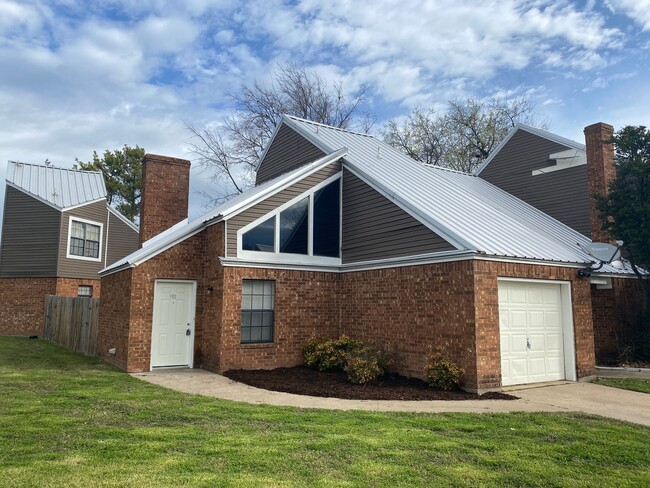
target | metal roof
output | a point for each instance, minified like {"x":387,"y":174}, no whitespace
{"x":185,"y":228}
{"x":533,"y":130}
{"x":58,"y":187}
{"x":471,"y":213}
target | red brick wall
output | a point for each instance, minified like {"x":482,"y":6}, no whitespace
{"x":616,"y":314}
{"x":114,"y":318}
{"x":69,"y":287}
{"x":165,"y":192}
{"x":305,"y":307}
{"x":600,"y":171}
{"x":23,"y":307}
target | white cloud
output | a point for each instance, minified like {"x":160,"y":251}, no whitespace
{"x":637,"y":10}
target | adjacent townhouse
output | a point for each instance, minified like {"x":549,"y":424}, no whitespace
{"x":344,"y":234}
{"x":58,"y":232}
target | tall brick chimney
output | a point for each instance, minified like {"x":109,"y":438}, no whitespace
{"x":600,"y":171}
{"x":165,"y":192}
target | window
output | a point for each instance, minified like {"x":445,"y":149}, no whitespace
{"x":257,"y":311}
{"x":310,"y":227}
{"x":84,"y":239}
{"x":85,"y":291}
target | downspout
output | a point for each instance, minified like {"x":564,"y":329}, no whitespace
{"x":108,"y":228}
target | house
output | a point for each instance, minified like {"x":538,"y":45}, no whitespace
{"x":558,"y":176}
{"x":344,"y":234}
{"x":58,"y":232}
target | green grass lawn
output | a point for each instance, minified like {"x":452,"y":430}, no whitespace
{"x":634,"y":384}
{"x":68,"y":420}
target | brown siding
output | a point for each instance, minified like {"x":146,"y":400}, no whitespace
{"x":563,"y":194}
{"x":122,"y":239}
{"x":376,"y":228}
{"x":30,"y":236}
{"x":79,"y":268}
{"x":289,"y":151}
{"x":275,"y":201}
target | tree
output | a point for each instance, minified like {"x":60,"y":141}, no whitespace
{"x":122,"y":171}
{"x":230,"y":150}
{"x":625,"y":210}
{"x":461,"y":137}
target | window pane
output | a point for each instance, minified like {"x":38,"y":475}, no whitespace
{"x":76,"y":247}
{"x":247,"y":287}
{"x":267,"y":334}
{"x":268,"y":287}
{"x":294,"y":228}
{"x":268,"y":302}
{"x":326,"y":220}
{"x":257,"y":302}
{"x":261,"y":237}
{"x":92,"y":249}
{"x":257,"y":316}
{"x":267,"y":319}
{"x":256,"y":334}
{"x":92,"y":232}
{"x":245,"y":334}
{"x":256,"y":319}
{"x":77,"y":230}
{"x":258,"y":287}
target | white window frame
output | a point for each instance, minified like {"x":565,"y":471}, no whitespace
{"x":101,"y":239}
{"x":283,"y":258}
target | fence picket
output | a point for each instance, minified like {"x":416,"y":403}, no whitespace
{"x":72,"y":322}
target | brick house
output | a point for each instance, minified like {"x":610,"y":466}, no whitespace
{"x":58,"y":232}
{"x":344,"y":234}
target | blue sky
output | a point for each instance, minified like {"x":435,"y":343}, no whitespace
{"x":78,"y":76}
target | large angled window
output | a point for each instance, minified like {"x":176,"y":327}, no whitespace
{"x":294,"y":228}
{"x":260,"y":237}
{"x":309,"y":227}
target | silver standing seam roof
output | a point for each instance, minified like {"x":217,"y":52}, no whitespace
{"x":58,"y":187}
{"x":472,"y":214}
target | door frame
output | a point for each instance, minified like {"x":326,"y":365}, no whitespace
{"x":192,"y":323}
{"x":568,"y":327}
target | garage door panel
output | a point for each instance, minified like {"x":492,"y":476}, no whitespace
{"x":532,"y":340}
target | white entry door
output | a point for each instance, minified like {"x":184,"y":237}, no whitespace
{"x":173,"y":324}
{"x":532,"y":341}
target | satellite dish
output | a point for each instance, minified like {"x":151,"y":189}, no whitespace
{"x":602,"y":251}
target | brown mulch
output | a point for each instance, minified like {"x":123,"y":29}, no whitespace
{"x":304,"y":381}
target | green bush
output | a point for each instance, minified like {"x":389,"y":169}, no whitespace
{"x":442,"y":372}
{"x":328,"y":354}
{"x":363,"y":367}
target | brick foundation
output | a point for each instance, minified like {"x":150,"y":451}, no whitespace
{"x":410,"y":310}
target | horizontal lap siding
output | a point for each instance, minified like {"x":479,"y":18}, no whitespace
{"x":79,"y":268}
{"x":376,"y":228}
{"x":273,"y":202}
{"x":30,"y":236}
{"x":564,"y":194}
{"x":122,"y":241}
{"x":288,"y":152}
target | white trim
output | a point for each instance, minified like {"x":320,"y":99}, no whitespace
{"x":108,"y":229}
{"x":192,"y":321}
{"x":72,"y":207}
{"x":266,"y":149}
{"x":571,"y":158}
{"x":455,"y":240}
{"x":98,"y":259}
{"x":568,"y":326}
{"x":123,"y":218}
{"x":277,"y":257}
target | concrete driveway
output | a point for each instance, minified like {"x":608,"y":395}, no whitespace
{"x":557,"y":397}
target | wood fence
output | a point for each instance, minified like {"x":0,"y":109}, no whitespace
{"x":72,"y":322}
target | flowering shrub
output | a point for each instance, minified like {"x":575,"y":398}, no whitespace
{"x":363,"y":367}
{"x":328,"y":354}
{"x":442,"y":372}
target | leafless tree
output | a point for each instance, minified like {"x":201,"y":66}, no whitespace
{"x":229,"y":152}
{"x":463,"y":136}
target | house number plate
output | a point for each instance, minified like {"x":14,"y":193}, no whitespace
{"x":172,"y":296}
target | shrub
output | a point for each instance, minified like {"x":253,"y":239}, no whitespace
{"x":327,"y":354}
{"x":363,"y":367}
{"x":442,"y":372}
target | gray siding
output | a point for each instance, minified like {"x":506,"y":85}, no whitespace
{"x":122,"y":239}
{"x":78,"y":268}
{"x":563,"y":194}
{"x":289,"y":151}
{"x":376,"y":228}
{"x":271,"y":203}
{"x":30,"y":236}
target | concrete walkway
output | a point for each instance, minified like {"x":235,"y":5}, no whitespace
{"x":562,"y":396}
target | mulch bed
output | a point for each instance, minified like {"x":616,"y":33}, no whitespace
{"x":304,"y":381}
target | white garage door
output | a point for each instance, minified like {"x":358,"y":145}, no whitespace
{"x":532,"y":342}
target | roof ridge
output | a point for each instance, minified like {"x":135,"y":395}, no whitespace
{"x":442,"y":168}
{"x":293,"y":117}
{"x":46,"y":166}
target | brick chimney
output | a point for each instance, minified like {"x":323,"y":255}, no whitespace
{"x":165,"y":192}
{"x":600,"y":171}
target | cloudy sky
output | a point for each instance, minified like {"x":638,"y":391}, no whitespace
{"x":83,"y":75}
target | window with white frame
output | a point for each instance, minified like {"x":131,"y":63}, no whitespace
{"x":307,"y":226}
{"x":257,"y":311}
{"x":84,"y":239}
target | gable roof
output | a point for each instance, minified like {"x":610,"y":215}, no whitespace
{"x":467,"y":211}
{"x":60,"y":188}
{"x":532,"y":130}
{"x":185,"y":229}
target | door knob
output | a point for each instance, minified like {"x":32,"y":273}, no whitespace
{"x":188,"y":332}
{"x":527,"y":343}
